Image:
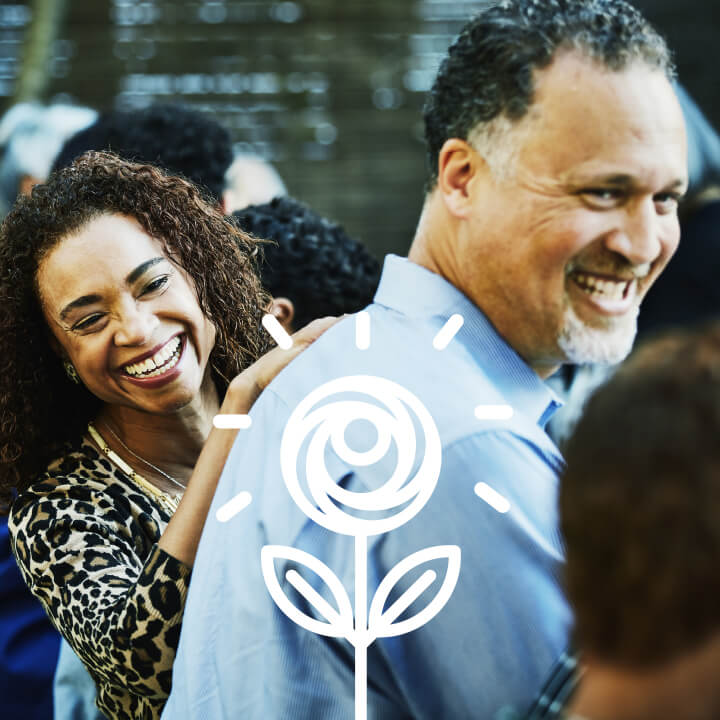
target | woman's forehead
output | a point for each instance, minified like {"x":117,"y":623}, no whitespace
{"x":102,"y":252}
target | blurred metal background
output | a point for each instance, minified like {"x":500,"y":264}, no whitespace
{"x":329,"y":91}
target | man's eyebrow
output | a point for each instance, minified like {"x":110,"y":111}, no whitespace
{"x":140,"y":269}
{"x":79,"y":302}
{"x":627,"y":181}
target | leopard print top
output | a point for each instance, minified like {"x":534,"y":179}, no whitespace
{"x":85,"y":538}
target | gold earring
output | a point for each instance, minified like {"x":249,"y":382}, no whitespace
{"x":71,"y":372}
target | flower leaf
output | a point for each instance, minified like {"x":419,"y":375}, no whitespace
{"x":339,"y":619}
{"x":382,"y":622}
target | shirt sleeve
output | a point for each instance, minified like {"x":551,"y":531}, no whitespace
{"x":115,"y":597}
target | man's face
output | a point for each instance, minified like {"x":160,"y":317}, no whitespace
{"x":560,"y":250}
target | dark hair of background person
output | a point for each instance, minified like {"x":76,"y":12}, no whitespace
{"x":687,"y":292}
{"x":182,"y":141}
{"x":40,"y":407}
{"x":488,"y":70}
{"x":313,"y":261}
{"x":640,"y":502}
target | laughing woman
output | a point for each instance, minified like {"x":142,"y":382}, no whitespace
{"x":129,"y":316}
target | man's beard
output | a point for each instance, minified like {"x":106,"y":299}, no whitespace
{"x":581,"y":343}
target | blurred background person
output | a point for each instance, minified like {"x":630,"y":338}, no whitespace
{"x":31,"y":134}
{"x":184,"y":142}
{"x":250,"y":180}
{"x":639,"y":508}
{"x":176,"y":138}
{"x":313,"y":268}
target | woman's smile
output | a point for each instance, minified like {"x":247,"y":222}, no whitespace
{"x":158,"y":366}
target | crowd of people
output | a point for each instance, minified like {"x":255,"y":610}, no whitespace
{"x":410,"y":524}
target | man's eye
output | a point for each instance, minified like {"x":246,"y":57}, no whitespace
{"x":667,"y":202}
{"x":87,"y":323}
{"x":157,"y":284}
{"x":602,"y":195}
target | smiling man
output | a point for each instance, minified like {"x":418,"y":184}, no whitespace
{"x":557,"y":158}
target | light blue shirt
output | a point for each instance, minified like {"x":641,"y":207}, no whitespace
{"x":491,"y":646}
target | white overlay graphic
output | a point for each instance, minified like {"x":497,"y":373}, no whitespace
{"x":492,"y":497}
{"x":493,"y":412}
{"x":362,"y":330}
{"x":318,"y":422}
{"x":228,"y":421}
{"x":277,"y":332}
{"x":230,"y":509}
{"x":321,"y":420}
{"x":448,"y":331}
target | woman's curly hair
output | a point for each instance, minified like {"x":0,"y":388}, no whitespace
{"x":40,"y":408}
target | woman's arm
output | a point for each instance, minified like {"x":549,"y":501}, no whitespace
{"x":182,"y":535}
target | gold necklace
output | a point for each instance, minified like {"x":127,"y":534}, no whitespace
{"x":169,"y":502}
{"x":175,"y":482}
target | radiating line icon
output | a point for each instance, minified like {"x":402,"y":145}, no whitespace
{"x":492,"y":497}
{"x":277,"y":331}
{"x":230,"y":509}
{"x":362,"y":330}
{"x":448,"y":331}
{"x":228,"y":421}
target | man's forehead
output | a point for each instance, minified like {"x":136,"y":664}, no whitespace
{"x":584,"y":114}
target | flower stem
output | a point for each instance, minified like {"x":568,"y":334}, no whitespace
{"x":361,"y":629}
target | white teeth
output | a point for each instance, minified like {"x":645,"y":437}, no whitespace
{"x":606,"y":289}
{"x":162,"y":361}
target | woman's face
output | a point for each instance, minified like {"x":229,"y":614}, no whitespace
{"x":125,"y":316}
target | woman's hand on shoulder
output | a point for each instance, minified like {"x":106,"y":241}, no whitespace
{"x":247,"y":386}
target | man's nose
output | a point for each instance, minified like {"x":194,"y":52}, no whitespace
{"x":637,"y":236}
{"x":136,"y":325}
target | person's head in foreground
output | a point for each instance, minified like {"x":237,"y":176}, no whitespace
{"x":557,"y":155}
{"x":313,"y":268}
{"x":122,"y":293}
{"x":639,"y":508}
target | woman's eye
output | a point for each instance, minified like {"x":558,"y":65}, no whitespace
{"x":157,"y":284}
{"x":87,"y":323}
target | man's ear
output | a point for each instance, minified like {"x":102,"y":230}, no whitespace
{"x":283,"y":310}
{"x":458,"y":167}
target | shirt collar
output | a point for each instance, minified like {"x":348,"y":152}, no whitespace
{"x":418,"y":292}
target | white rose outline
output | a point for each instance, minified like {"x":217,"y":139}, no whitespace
{"x":329,"y":422}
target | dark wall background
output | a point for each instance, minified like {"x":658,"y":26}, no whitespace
{"x":330,"y":91}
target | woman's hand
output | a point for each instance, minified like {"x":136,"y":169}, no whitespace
{"x":182,"y":535}
{"x":244,"y":390}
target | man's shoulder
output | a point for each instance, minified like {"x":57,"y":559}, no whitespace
{"x":401,"y":351}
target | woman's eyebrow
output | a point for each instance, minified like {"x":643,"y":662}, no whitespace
{"x":79,"y":302}
{"x":140,"y":269}
{"x":130,"y":279}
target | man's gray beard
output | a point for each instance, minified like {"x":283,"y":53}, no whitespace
{"x":582,"y":343}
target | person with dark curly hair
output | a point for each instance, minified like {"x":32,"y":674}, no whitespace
{"x":558,"y":155}
{"x":130,"y":316}
{"x":639,"y":508}
{"x":179,"y":139}
{"x":313,"y":267}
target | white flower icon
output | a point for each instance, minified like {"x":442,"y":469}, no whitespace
{"x":319,"y":422}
